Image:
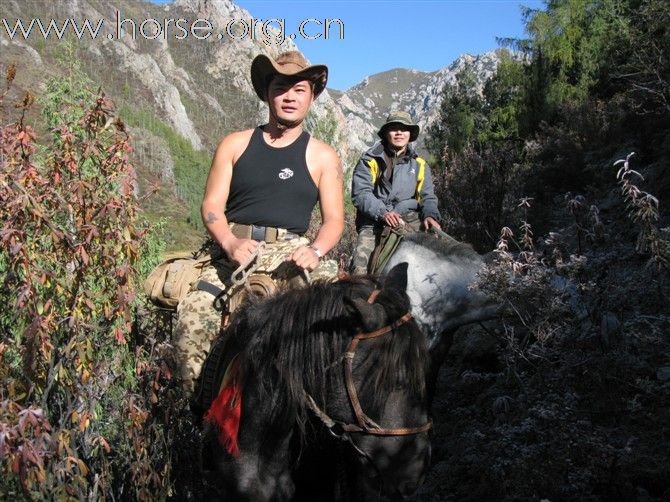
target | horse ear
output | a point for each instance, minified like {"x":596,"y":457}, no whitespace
{"x":371,"y":316}
{"x":397,"y":278}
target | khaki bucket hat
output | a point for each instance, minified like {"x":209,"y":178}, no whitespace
{"x":400,"y":118}
{"x":289,"y":64}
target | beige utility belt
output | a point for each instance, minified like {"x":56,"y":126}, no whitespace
{"x":261,"y":233}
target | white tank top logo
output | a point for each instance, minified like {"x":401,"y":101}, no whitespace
{"x":285,"y":174}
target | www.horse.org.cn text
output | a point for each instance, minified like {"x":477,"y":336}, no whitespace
{"x":268,"y":31}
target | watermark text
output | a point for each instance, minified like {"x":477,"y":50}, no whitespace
{"x":269,"y":31}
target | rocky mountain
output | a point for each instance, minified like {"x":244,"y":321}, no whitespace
{"x":366,"y":105}
{"x":179,"y":96}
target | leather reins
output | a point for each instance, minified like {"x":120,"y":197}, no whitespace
{"x":365,"y":424}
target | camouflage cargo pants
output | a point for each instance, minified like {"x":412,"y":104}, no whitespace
{"x":365,"y":245}
{"x":198,"y":322}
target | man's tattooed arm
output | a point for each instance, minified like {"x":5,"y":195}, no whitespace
{"x":211,"y":217}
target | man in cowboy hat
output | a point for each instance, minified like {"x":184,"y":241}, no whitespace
{"x":262,"y":186}
{"x":391,"y":187}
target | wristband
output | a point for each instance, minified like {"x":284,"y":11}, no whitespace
{"x":316,"y":250}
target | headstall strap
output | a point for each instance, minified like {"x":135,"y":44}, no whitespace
{"x":381,"y":331}
{"x":373,"y":296}
{"x":366,"y":424}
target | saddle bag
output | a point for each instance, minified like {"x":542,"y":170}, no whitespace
{"x":170,"y":281}
{"x":388,"y":242}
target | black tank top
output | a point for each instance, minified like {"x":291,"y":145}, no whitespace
{"x":271,"y":186}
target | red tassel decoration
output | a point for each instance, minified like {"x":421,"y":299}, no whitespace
{"x":225,"y":411}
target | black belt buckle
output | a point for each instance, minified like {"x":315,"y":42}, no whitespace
{"x":257,"y":233}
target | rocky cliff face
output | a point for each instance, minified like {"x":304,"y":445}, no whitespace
{"x":366,"y":105}
{"x":193,"y":85}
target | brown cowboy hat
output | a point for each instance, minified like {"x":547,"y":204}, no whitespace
{"x":289,"y":64}
{"x":400,"y":118}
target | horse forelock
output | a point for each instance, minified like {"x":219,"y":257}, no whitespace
{"x":295,"y":342}
{"x":393,"y":361}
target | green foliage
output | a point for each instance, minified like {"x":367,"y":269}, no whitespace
{"x":476,"y":140}
{"x":74,"y":422}
{"x":503,"y":101}
{"x":324,"y":129}
{"x":153,"y":249}
{"x":568,"y":40}
{"x":74,"y":87}
{"x":585,"y":48}
{"x":461,"y":116}
{"x":470,"y":119}
{"x":640,"y":57}
{"x":190,"y":166}
{"x":581,"y":81}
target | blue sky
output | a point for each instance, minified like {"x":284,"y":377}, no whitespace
{"x":383,"y":34}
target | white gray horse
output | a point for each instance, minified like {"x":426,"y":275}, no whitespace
{"x":440,"y":276}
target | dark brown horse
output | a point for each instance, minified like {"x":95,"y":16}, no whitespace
{"x":333,"y":402}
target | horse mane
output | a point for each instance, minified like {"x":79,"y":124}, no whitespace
{"x":295,"y":341}
{"x":447,"y":246}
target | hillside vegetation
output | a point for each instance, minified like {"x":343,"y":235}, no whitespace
{"x":567,"y":397}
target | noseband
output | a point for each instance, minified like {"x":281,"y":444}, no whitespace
{"x":365,"y":424}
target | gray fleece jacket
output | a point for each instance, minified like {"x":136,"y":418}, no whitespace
{"x":373,"y":194}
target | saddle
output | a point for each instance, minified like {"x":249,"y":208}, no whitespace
{"x":211,"y":375}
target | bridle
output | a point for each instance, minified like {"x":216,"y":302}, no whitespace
{"x":365,"y":424}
